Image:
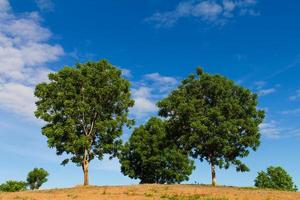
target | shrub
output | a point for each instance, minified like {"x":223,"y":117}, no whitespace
{"x":36,"y":178}
{"x":13,"y":186}
{"x":275,"y":178}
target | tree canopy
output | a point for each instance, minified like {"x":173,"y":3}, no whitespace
{"x":149,"y":156}
{"x":275,"y":178}
{"x":213,"y":119}
{"x":85,"y":108}
{"x":13,"y":186}
{"x":36,"y":178}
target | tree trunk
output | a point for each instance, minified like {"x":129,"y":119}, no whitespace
{"x":85,"y":168}
{"x":213,"y":176}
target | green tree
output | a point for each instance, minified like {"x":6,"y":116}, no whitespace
{"x":149,"y":157}
{"x":214,"y":119}
{"x":84,"y":108}
{"x":13,"y":186}
{"x":275,"y":178}
{"x":36,"y":178}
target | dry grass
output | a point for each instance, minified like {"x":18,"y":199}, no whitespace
{"x":152,"y":192}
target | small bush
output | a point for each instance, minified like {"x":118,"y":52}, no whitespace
{"x":36,"y":178}
{"x":193,"y":197}
{"x":275,"y":178}
{"x":13,"y":186}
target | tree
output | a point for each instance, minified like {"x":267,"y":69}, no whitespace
{"x":36,"y":178}
{"x":13,"y":186}
{"x":275,"y":178}
{"x":84,"y":108}
{"x":213,"y":119}
{"x":149,"y":157}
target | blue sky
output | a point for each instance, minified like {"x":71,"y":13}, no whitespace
{"x":156,"y":44}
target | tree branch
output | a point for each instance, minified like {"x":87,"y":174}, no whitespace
{"x":93,"y":123}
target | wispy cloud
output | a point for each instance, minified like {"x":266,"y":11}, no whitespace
{"x":264,"y":92}
{"x":209,"y":11}
{"x":126,"y":72}
{"x":24,"y":55}
{"x":293,"y":64}
{"x":162,"y":83}
{"x":45,"y":5}
{"x":260,"y":84}
{"x":295,"y":96}
{"x":270,"y":129}
{"x":274,"y":130}
{"x":292,"y":111}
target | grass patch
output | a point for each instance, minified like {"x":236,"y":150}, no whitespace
{"x":130,"y":192}
{"x":72,"y":196}
{"x":23,"y":198}
{"x":154,"y":190}
{"x":146,"y":194}
{"x":192,"y":197}
{"x":248,"y":188}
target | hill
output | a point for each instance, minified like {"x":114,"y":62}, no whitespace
{"x":164,"y":192}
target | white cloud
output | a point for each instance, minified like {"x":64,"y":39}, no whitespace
{"x":148,"y":91}
{"x":229,"y":6}
{"x":161,"y":79}
{"x":270,"y":129}
{"x":210,"y":11}
{"x":275,"y":130}
{"x":4,"y":6}
{"x":144,"y":106}
{"x":207,"y":10}
{"x":143,"y":91}
{"x":24,"y":54}
{"x":144,"y":102}
{"x":45,"y":5}
{"x":296,"y":96}
{"x":264,"y":92}
{"x":161,"y":83}
{"x":17,"y":98}
{"x":126,"y":72}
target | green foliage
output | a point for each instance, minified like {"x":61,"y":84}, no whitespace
{"x":214,"y":119}
{"x":199,"y":71}
{"x":13,"y":186}
{"x":151,"y":158}
{"x":36,"y":178}
{"x":85,"y":108}
{"x":275,"y":178}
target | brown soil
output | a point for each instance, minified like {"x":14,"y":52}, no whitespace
{"x":165,"y":192}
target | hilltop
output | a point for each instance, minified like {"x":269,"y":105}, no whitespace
{"x":139,"y":192}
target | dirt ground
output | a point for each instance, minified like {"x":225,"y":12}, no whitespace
{"x":165,"y":192}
